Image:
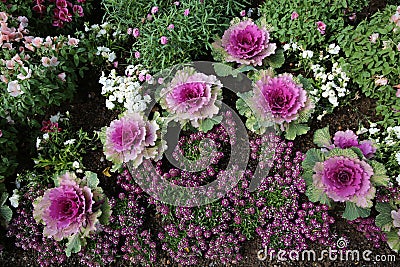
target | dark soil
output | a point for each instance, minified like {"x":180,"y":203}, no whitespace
{"x":88,"y":112}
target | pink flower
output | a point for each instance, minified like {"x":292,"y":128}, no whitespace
{"x":135,"y":32}
{"x":46,"y":61}
{"x":243,"y":13}
{"x":246,"y":43}
{"x":128,"y":138}
{"x":14,"y":89}
{"x":61,"y":3}
{"x":154,"y":10}
{"x":77,"y":9}
{"x":137,"y":54}
{"x":374,"y":37}
{"x":381,"y":81}
{"x":163,"y":40}
{"x":321,"y":27}
{"x":186,"y":12}
{"x":345,"y":179}
{"x":23,"y":21}
{"x":280,"y":97}
{"x":64,"y":15}
{"x":10,"y":64}
{"x":171,"y":26}
{"x":1,"y":133}
{"x":294,"y":15}
{"x":62,"y":76}
{"x":191,"y":96}
{"x":3,"y":17}
{"x":73,"y":42}
{"x":65,"y":210}
{"x":149,"y":17}
{"x":37,"y":41}
{"x":26,"y":74}
{"x":345,"y":139}
{"x":176,"y":3}
{"x":148,"y":77}
{"x":54,"y":62}
{"x":129,"y":31}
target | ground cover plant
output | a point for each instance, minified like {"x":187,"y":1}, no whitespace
{"x":199,"y":133}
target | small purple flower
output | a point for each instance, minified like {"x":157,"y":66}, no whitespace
{"x":246,"y":43}
{"x":135,"y":32}
{"x":243,"y":13}
{"x":137,"y":54}
{"x":171,"y":27}
{"x":186,"y":12}
{"x":345,"y":139}
{"x":321,"y":27}
{"x":154,"y":9}
{"x":129,"y":31}
{"x":149,"y":17}
{"x":163,"y":40}
{"x":294,"y":15}
{"x":177,"y":3}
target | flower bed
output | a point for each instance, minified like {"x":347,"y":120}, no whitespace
{"x":199,"y":133}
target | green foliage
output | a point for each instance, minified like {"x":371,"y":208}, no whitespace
{"x":353,"y":212}
{"x":368,"y":61}
{"x":8,"y":149}
{"x":303,"y":30}
{"x":384,"y":219}
{"x":322,"y":137}
{"x":190,"y":38}
{"x":5,"y":211}
{"x":74,"y":245}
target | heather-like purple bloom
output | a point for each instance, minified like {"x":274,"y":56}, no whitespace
{"x":294,"y":15}
{"x":164,"y":40}
{"x":65,"y":210}
{"x":345,"y":139}
{"x":367,"y":148}
{"x":246,"y":43}
{"x":345,"y":179}
{"x":129,"y":139}
{"x":191,"y":96}
{"x":281,"y":96}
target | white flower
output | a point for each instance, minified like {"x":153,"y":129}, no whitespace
{"x":295,"y":46}
{"x":112,"y":56}
{"x":398,"y":179}
{"x":38,"y":141}
{"x":75,"y":165}
{"x":109,"y":104}
{"x":46,"y":136}
{"x":55,"y":118}
{"x":79,"y":171}
{"x":333,"y":49}
{"x":373,"y":130}
{"x":397,"y":155}
{"x":14,"y":199}
{"x":362,"y":131}
{"x":69,"y":142}
{"x":286,"y":47}
{"x":307,"y":54}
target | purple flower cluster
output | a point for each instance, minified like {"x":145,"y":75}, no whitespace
{"x":372,"y":232}
{"x":285,"y":223}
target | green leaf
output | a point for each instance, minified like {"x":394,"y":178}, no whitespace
{"x":322,"y":138}
{"x":76,"y":60}
{"x":246,"y":68}
{"x":358,"y":152}
{"x":313,"y":156}
{"x":342,"y":152}
{"x":294,"y":130}
{"x":276,"y":60}
{"x":223,"y":70}
{"x":91,"y":179}
{"x":104,"y":218}
{"x":384,"y":219}
{"x":353,"y":212}
{"x":207,"y":125}
{"x":74,"y":245}
{"x":6,"y":213}
{"x":379,"y":178}
{"x":317,"y":195}
{"x":393,"y":240}
{"x":3,"y":198}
